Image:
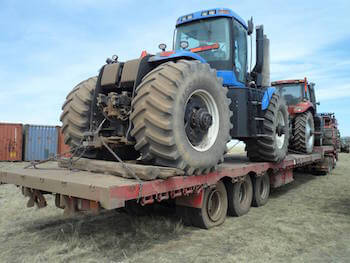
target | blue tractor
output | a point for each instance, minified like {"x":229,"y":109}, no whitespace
{"x":179,"y":108}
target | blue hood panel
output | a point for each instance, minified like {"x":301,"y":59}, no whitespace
{"x":178,"y":54}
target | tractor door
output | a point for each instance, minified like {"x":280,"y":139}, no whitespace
{"x":240,"y":52}
{"x":312,"y":94}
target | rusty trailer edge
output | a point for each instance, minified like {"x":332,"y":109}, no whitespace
{"x":112,"y":191}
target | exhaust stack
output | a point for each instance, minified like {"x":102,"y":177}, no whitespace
{"x":261,"y":71}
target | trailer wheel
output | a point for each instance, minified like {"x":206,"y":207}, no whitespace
{"x":214,"y":207}
{"x":261,"y":190}
{"x":240,"y":197}
{"x":273,"y":146}
{"x":181,"y":117}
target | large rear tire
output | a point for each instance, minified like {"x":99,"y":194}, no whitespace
{"x":75,"y":120}
{"x":273,"y":146}
{"x":252,"y":149}
{"x":303,"y":139}
{"x":181,"y":117}
{"x":75,"y":117}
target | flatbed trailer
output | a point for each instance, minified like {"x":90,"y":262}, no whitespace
{"x":201,"y":200}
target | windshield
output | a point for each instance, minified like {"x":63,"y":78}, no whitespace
{"x":204,"y":33}
{"x":292,"y":93}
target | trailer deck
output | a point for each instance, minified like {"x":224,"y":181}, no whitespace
{"x":111,"y":191}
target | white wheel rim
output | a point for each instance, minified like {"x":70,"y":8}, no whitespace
{"x":309,"y":135}
{"x":212,"y":133}
{"x":280,"y":138}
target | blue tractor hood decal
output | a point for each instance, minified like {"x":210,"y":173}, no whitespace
{"x":177,"y":54}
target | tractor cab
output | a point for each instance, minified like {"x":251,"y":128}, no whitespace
{"x":298,"y":94}
{"x":218,"y":36}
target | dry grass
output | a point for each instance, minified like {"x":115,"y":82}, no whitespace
{"x":306,"y":221}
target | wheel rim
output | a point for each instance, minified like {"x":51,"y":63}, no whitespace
{"x":214,"y":205}
{"x":242,"y":193}
{"x":201,"y":120}
{"x":280,"y":137}
{"x":263,"y":189}
{"x":309,"y":134}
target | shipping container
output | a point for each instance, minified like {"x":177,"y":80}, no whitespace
{"x":63,"y":149}
{"x":11,"y":135}
{"x":40,"y":142}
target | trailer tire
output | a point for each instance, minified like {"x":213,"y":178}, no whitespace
{"x":240,"y":195}
{"x":273,"y":146}
{"x":75,"y":120}
{"x":303,"y":139}
{"x":261,"y":190}
{"x":208,"y":216}
{"x":181,"y":117}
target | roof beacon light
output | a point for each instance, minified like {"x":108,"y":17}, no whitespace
{"x":223,"y":11}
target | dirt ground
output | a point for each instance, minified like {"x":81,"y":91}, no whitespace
{"x":305,"y":221}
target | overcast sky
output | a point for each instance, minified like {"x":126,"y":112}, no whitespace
{"x":47,"y":47}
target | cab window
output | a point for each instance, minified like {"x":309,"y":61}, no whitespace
{"x":240,"y":50}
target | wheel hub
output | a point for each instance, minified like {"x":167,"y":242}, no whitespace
{"x":201,"y":119}
{"x":280,"y":129}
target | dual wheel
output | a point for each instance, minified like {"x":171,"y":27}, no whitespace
{"x":233,"y":199}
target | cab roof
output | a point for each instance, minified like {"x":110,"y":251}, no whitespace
{"x":215,"y":12}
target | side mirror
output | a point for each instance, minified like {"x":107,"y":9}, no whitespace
{"x":250,"y":26}
{"x":162,"y":47}
{"x":318,"y":103}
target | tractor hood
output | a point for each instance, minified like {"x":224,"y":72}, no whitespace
{"x":174,"y":55}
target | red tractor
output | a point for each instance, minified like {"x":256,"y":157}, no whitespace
{"x":305,"y":122}
{"x":331,"y":134}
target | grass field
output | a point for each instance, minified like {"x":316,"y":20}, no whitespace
{"x":305,"y":221}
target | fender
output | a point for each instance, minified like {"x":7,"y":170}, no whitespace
{"x":301,"y":107}
{"x":267,"y":97}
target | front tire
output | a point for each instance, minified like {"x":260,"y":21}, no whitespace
{"x":273,"y":146}
{"x":181,"y":117}
{"x":303,"y":139}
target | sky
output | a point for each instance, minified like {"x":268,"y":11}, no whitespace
{"x":47,"y":47}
